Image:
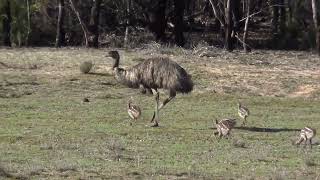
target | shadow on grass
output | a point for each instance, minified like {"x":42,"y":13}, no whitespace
{"x":258,"y":129}
{"x":99,"y":74}
{"x":5,"y":174}
{"x":315,"y":143}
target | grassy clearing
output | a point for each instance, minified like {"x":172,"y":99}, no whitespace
{"x":47,"y":131}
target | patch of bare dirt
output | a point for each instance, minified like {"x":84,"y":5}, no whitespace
{"x":305,"y":91}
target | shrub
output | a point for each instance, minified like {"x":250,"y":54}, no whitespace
{"x":85,"y":67}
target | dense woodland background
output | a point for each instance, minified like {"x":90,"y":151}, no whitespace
{"x":240,"y":24}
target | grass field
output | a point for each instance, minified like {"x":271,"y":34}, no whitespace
{"x":48,"y":132}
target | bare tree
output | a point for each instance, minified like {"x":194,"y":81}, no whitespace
{"x":126,"y":34}
{"x":282,"y":14}
{"x":245,"y":31}
{"x":94,"y":22}
{"x":217,"y":13}
{"x":157,"y":20}
{"x":28,"y":2}
{"x":275,"y":16}
{"x":228,"y":24}
{"x":178,"y":22}
{"x":223,"y":12}
{"x":6,"y":24}
{"x":316,"y":24}
{"x":236,"y":18}
{"x":60,"y":37}
{"x":83,"y":26}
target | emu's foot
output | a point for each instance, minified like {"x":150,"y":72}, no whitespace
{"x":155,"y":125}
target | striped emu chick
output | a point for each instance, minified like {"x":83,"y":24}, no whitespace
{"x":134,"y":111}
{"x":224,"y":126}
{"x":243,"y":112}
{"x":306,"y":134}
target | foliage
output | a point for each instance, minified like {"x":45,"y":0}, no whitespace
{"x":198,"y":17}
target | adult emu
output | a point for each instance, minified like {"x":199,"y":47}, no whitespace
{"x":154,"y":73}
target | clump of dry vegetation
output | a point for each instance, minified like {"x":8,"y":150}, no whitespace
{"x":310,"y":161}
{"x":238,"y":143}
{"x":86,"y":66}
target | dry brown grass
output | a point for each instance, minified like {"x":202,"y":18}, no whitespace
{"x":262,"y":73}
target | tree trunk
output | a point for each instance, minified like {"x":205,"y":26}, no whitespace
{"x":157,"y":21}
{"x":228,"y":26}
{"x":290,"y":10}
{"x":236,"y":15}
{"x":178,"y":22}
{"x":188,"y":7}
{"x":126,"y":34}
{"x":29,"y":21}
{"x":6,"y":24}
{"x":282,"y":16}
{"x":94,"y":22}
{"x":83,"y":26}
{"x":275,"y":16}
{"x":60,"y":37}
{"x":316,"y":24}
{"x":245,"y":31}
{"x":217,"y":14}
{"x":236,"y":5}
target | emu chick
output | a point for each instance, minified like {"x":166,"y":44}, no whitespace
{"x":224,"y":126}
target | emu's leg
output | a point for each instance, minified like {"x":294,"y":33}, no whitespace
{"x":158,"y":108}
{"x":156,"y":112}
{"x":244,"y":121}
{"x":155,"y":117}
{"x":172,"y":95}
{"x":228,"y":135}
{"x":157,"y":97}
{"x":310,"y":141}
{"x":305,"y":143}
{"x":220,"y":134}
{"x":299,"y":141}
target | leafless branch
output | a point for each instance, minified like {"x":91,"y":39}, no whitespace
{"x":83,"y":26}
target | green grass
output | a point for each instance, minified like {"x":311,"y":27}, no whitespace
{"x":50,"y":133}
{"x":55,"y":133}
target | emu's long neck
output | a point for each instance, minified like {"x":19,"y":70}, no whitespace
{"x":127,"y":77}
{"x":115,"y":63}
{"x":129,"y":104}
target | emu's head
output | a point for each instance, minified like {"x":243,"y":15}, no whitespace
{"x":129,"y":102}
{"x":118,"y":72}
{"x":114,"y":55}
